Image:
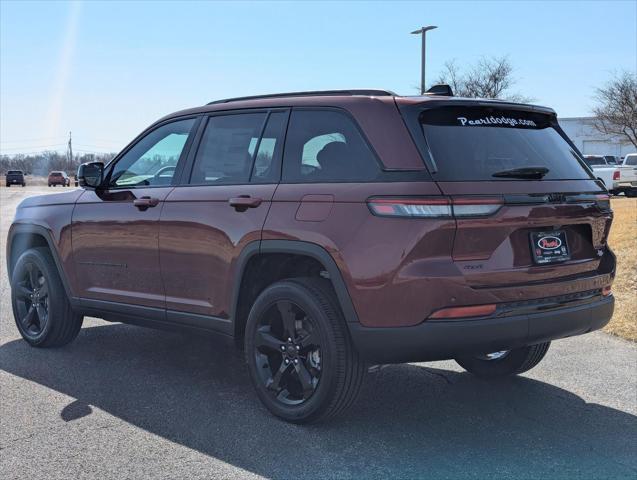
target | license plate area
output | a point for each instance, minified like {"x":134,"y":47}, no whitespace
{"x":549,"y":247}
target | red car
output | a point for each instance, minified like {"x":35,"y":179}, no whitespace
{"x":59,"y":178}
{"x":328,"y":232}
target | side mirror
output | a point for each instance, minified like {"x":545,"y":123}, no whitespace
{"x":89,"y":175}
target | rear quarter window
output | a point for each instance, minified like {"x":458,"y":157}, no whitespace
{"x":474,"y":143}
{"x":326,"y":146}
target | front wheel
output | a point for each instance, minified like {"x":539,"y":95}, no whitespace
{"x":505,"y":362}
{"x":41,"y":308}
{"x":301,"y":360}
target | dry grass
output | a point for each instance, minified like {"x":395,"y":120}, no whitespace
{"x":623,"y":241}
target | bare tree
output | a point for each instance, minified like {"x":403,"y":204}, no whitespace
{"x":489,"y":78}
{"x":616,"y":110}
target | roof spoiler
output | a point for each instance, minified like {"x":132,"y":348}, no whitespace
{"x":440,"y":89}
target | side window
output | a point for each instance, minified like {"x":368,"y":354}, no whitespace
{"x":152,"y":160}
{"x":267,"y":163}
{"x":326,"y":146}
{"x":227,"y":148}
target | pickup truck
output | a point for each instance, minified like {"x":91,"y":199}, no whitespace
{"x":628,"y":176}
{"x":607,"y":173}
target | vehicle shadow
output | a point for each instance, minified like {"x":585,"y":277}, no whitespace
{"x":410,"y":421}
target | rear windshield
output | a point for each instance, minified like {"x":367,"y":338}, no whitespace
{"x":14,"y":172}
{"x":56,"y":174}
{"x":474,"y":143}
{"x":590,"y":161}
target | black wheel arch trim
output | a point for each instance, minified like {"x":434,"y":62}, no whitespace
{"x":295,"y":247}
{"x":46,"y":234}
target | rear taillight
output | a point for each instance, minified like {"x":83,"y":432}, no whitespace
{"x":476,"y":206}
{"x":410,"y":207}
{"x":603,"y":201}
{"x":616,"y":175}
{"x":435,"y":207}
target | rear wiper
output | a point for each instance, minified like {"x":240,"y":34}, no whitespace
{"x":524,"y":172}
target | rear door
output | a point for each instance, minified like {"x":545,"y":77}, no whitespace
{"x":526,"y":208}
{"x":217,"y":210}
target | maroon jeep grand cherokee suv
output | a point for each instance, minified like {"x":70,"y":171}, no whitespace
{"x":329,"y":231}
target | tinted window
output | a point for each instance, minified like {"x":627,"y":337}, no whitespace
{"x":14,"y":172}
{"x":267,"y":163}
{"x":152,"y":161}
{"x":326,"y":146}
{"x":469,"y":144}
{"x":227,"y":148}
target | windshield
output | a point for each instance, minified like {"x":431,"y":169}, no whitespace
{"x":475,"y":143}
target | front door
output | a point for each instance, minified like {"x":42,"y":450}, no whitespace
{"x":115,"y":228}
{"x":219,"y":209}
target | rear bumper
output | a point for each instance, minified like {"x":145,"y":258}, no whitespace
{"x":441,"y":340}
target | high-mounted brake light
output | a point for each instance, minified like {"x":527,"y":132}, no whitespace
{"x":435,"y":207}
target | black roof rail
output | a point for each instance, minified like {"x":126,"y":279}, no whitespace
{"x":316,"y":93}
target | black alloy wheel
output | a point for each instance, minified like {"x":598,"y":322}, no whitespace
{"x":32,"y":295}
{"x":288,"y":353}
{"x":300,"y":357}
{"x":41,"y":308}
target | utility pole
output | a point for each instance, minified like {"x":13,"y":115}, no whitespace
{"x":423,"y":31}
{"x":69,"y":153}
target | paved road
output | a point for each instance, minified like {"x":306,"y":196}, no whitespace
{"x":126,"y":402}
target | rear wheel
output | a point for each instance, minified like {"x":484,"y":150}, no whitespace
{"x":505,"y":362}
{"x":631,"y":193}
{"x":299,"y":354}
{"x":41,"y":309}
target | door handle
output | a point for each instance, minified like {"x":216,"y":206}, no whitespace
{"x":144,"y":203}
{"x":243,"y":202}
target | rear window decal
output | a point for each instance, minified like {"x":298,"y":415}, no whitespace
{"x":513,"y":122}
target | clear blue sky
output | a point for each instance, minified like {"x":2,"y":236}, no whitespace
{"x":105,"y":70}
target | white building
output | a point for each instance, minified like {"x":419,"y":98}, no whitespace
{"x":591,"y":142}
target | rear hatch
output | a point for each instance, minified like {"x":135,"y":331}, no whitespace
{"x":527,"y":209}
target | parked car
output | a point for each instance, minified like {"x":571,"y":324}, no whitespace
{"x":603,"y":171}
{"x":15,"y":177}
{"x":328,"y":232}
{"x":627,"y":180}
{"x":59,"y":178}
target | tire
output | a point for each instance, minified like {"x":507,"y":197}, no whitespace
{"x":632,"y":193}
{"x":8,"y":185}
{"x":49,"y":185}
{"x":505,"y":363}
{"x":52,"y":322}
{"x":318,"y":350}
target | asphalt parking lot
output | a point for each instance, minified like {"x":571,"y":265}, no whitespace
{"x":127,"y":402}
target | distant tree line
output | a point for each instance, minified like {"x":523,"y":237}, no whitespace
{"x":44,"y":162}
